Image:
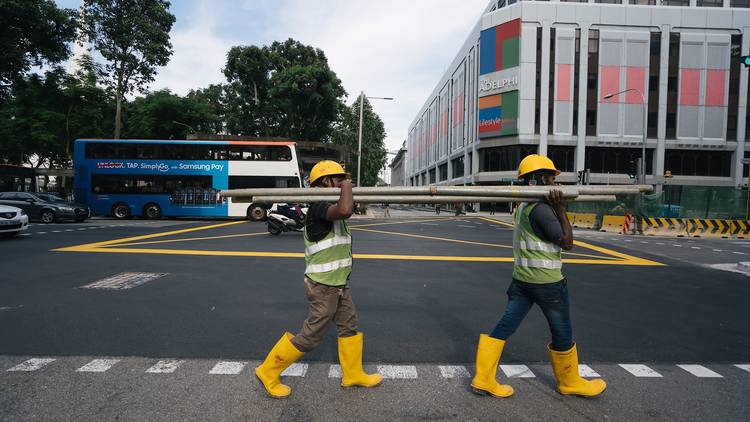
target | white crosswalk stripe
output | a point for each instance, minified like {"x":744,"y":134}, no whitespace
{"x":334,"y":371}
{"x":587,"y":372}
{"x":165,"y":366}
{"x":700,"y":371}
{"x":227,"y":368}
{"x":98,"y":365}
{"x":454,"y":371}
{"x":517,"y":371}
{"x":744,"y":367}
{"x":295,"y":370}
{"x":398,"y":371}
{"x":31,"y":365}
{"x":641,"y":371}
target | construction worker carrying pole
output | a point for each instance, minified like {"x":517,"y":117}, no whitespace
{"x":328,"y":261}
{"x":541,"y":230}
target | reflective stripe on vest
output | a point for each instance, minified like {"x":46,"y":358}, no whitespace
{"x":337,"y":239}
{"x":535,"y":260}
{"x":328,"y":266}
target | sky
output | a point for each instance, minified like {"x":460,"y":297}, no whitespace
{"x":386,"y":48}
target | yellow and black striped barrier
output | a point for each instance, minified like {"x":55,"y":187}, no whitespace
{"x":660,"y":226}
{"x":582,"y":220}
{"x":698,"y":227}
{"x":741,"y":229}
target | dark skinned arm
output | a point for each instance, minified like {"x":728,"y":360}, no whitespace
{"x":344,"y":208}
{"x":557,"y":202}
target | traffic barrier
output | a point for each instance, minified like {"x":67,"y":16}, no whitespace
{"x":664,"y":227}
{"x":741,"y":229}
{"x":584,"y":221}
{"x":697,"y":227}
{"x":612,"y":223}
{"x":627,"y":224}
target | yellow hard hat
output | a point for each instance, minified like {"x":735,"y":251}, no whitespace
{"x":534,"y":162}
{"x":326,"y":168}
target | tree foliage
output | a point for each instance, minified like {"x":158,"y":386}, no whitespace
{"x":285,"y":89}
{"x":32,"y":32}
{"x":164,"y":115}
{"x":133,"y":38}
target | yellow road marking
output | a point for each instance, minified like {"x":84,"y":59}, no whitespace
{"x":356,"y":256}
{"x":624,"y":259}
{"x":151,"y":236}
{"x":190,"y":239}
{"x":494,"y":245}
{"x":114,"y":246}
{"x":403,"y":222}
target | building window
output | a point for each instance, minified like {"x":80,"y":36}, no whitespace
{"x":672,"y":81}
{"x":551,"y":87}
{"x":698,"y":163}
{"x":609,"y":1}
{"x":457,"y":166}
{"x":739,"y":3}
{"x":615,"y":160}
{"x":710,"y":3}
{"x":653,"y":85}
{"x":675,"y":3}
{"x":537,"y":97}
{"x":564,"y":157}
{"x":503,"y":158}
{"x":734,"y":87}
{"x":432,"y":175}
{"x":592,"y":99}
{"x":643,"y":2}
{"x":443,"y":172}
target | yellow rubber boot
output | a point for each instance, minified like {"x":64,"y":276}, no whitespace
{"x":279,"y":358}
{"x":565,"y":365}
{"x":350,"y":357}
{"x":488,"y":356}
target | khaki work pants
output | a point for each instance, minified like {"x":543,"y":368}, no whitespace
{"x":326,"y":303}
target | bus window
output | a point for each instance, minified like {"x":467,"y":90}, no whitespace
{"x":250,"y":182}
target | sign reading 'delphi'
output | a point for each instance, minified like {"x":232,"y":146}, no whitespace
{"x":498,"y":82}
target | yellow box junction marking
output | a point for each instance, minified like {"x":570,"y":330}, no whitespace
{"x":609,"y":257}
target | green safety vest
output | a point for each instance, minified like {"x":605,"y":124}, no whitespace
{"x":535,"y":260}
{"x":329,"y":260}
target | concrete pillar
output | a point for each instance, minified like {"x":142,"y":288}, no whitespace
{"x":544,"y":88}
{"x":583,"y":82}
{"x":738,"y":171}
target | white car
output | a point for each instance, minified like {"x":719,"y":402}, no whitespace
{"x":12,"y":221}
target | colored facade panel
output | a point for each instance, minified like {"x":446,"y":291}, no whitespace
{"x":609,"y":77}
{"x":499,"y":66}
{"x":635,"y":78}
{"x":690,"y":84}
{"x":563,"y":73}
{"x":715,"y":87}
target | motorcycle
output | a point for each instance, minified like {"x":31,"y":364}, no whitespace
{"x":281,"y":218}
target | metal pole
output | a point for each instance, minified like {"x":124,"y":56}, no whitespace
{"x":414,"y":199}
{"x":359,"y":149}
{"x":645,"y":116}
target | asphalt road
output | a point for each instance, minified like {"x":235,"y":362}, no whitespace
{"x":425,"y":287}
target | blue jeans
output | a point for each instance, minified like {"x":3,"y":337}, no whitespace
{"x":552,"y":298}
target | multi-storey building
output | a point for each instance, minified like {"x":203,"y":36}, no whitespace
{"x":533,"y":77}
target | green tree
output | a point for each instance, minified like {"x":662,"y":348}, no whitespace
{"x":32,"y":32}
{"x":133,"y":38}
{"x":164,"y":115}
{"x":285,"y":89}
{"x":209,"y":104}
{"x":346,"y":132}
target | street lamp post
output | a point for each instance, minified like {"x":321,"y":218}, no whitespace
{"x":361,"y":113}
{"x":643,"y":102}
{"x":184,"y":124}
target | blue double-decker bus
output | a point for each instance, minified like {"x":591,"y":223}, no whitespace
{"x":153,"y":178}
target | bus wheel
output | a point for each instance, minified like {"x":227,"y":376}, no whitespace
{"x":152,"y":211}
{"x":121,"y":211}
{"x":256,"y":213}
